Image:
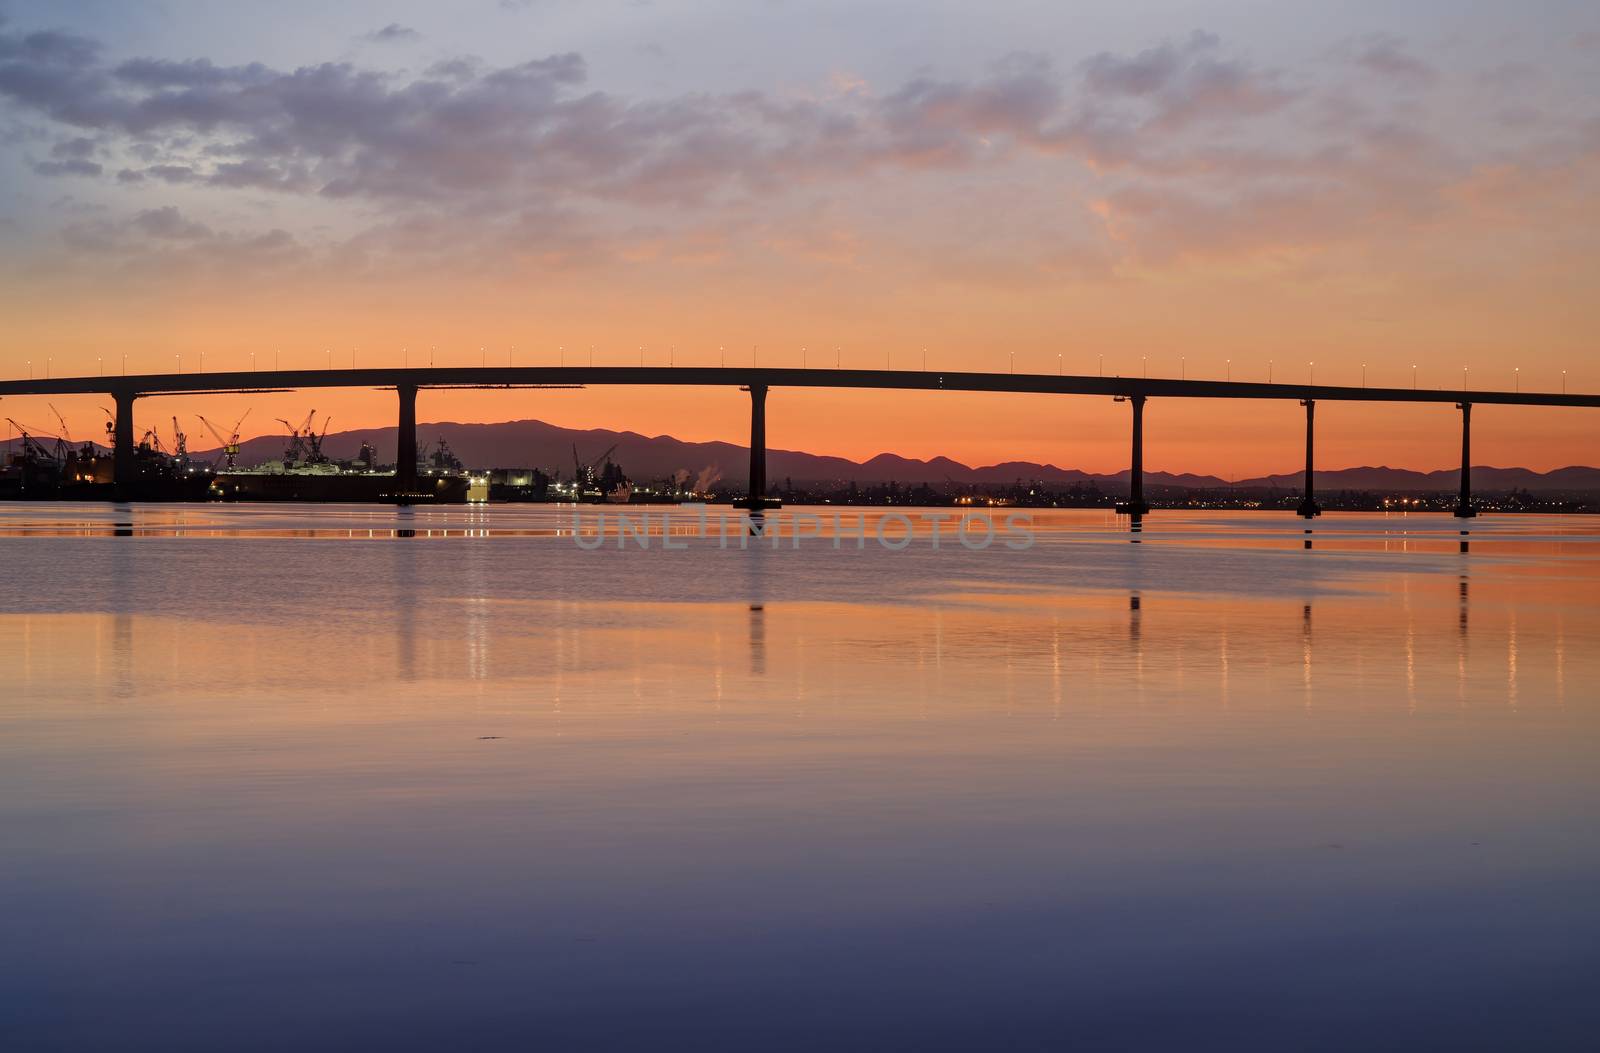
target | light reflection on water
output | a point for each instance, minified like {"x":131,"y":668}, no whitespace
{"x":487,"y":790}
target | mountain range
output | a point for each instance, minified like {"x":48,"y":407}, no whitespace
{"x":532,"y":443}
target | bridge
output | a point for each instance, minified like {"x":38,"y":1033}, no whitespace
{"x":406,"y":382}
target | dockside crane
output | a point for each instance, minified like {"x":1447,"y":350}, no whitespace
{"x":584,"y":475}
{"x":64,"y":439}
{"x":181,"y":452}
{"x":314,"y":454}
{"x":297,"y":442}
{"x":31,"y":447}
{"x":228,"y":446}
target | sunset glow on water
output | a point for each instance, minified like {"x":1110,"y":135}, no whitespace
{"x":499,"y":785}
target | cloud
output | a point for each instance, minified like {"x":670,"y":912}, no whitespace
{"x":393,"y":33}
{"x":1386,"y":56}
{"x":49,"y":48}
{"x":1190,"y":148}
{"x":191,"y":74}
{"x":172,"y":173}
{"x":72,"y":167}
{"x":1184,"y":84}
{"x":163,"y":241}
{"x":522,"y":134}
{"x":168,"y":223}
{"x":80,"y":147}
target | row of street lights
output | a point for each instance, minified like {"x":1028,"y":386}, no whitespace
{"x":1144,"y":364}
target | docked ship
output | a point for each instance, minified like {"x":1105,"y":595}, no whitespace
{"x":36,"y":467}
{"x":305,"y":473}
{"x":56,"y":469}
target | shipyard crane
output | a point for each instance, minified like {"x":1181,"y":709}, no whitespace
{"x":181,"y":452}
{"x":584,"y":474}
{"x":63,"y":440}
{"x":297,"y":442}
{"x":296,"y":448}
{"x":314,"y":454}
{"x":31,"y":447}
{"x":232,"y":449}
{"x":229,"y":447}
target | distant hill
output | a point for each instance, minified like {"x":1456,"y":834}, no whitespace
{"x":532,"y":443}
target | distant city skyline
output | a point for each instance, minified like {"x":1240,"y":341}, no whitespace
{"x":1184,"y":192}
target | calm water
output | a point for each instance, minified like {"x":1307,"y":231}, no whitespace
{"x":287,"y":778}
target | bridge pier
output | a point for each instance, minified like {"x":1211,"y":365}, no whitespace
{"x":122,"y":463}
{"x":757,"y":498}
{"x":405,"y":453}
{"x":1308,"y":504}
{"x":1464,"y":509}
{"x":1135,"y":505}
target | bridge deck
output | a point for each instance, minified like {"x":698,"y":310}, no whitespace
{"x":741,"y":376}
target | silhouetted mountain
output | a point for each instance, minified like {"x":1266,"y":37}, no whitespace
{"x":532,"y":443}
{"x":1484,"y":477}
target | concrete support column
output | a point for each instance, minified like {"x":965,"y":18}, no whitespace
{"x":757,"y":497}
{"x":405,"y":453}
{"x":123,"y":478}
{"x":1308,"y":504}
{"x":1464,"y":508}
{"x":1136,"y":505}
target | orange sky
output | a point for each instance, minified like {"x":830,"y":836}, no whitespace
{"x":1163,"y":197}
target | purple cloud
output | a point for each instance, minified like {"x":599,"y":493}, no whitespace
{"x":393,"y":33}
{"x":1190,"y":141}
